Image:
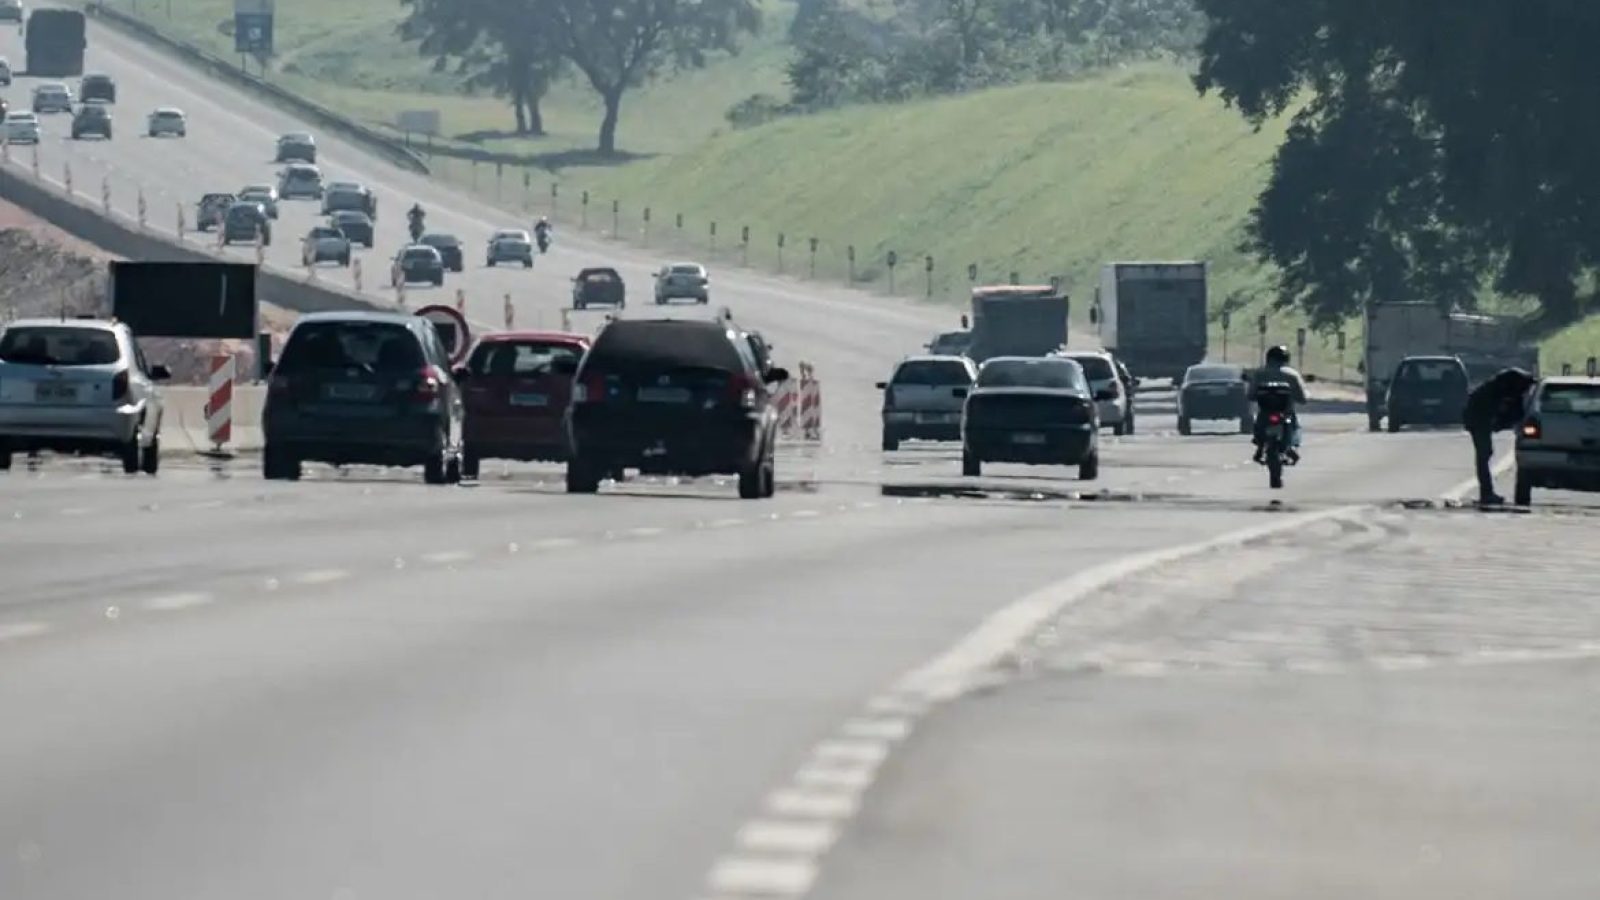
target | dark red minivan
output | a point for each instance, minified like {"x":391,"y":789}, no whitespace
{"x":514,"y":397}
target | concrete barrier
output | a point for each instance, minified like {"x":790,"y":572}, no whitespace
{"x":86,"y":220}
{"x":390,"y":148}
{"x":183,"y":426}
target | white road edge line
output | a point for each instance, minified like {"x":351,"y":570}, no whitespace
{"x":321,"y":576}
{"x":446,"y":557}
{"x":174,"y":602}
{"x":825,"y":790}
{"x":19,"y":630}
{"x":1498,"y":467}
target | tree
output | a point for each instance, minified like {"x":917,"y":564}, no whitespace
{"x":1492,"y":104}
{"x":493,"y":44}
{"x":619,"y":44}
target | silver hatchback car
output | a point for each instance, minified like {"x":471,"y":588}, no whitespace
{"x":1558,"y":444}
{"x":79,"y":386}
{"x":924,"y":398}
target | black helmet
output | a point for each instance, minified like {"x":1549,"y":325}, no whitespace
{"x":1278,"y":356}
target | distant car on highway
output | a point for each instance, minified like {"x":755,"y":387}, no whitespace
{"x":1558,"y":443}
{"x":672,"y":397}
{"x":300,"y":180}
{"x":922,"y":400}
{"x":598,"y":287}
{"x":296,"y":146}
{"x":92,"y":118}
{"x":355,"y":224}
{"x":418,"y":263}
{"x":687,"y":280}
{"x":264,"y":194}
{"x":97,"y":87}
{"x":357,"y":388}
{"x":516,"y":398}
{"x":324,"y":243}
{"x":52,"y":97}
{"x":1427,"y":390}
{"x":5,"y":65}
{"x":12,"y":11}
{"x":1211,"y":392}
{"x":449,"y":247}
{"x":211,"y":209}
{"x":1110,"y":393}
{"x":167,"y":120}
{"x":348,"y":195}
{"x":510,"y":245}
{"x":79,"y":386}
{"x":244,"y":221}
{"x":1031,"y":410}
{"x":950,"y":343}
{"x":21,"y":127}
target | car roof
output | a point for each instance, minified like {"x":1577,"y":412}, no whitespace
{"x":295,"y":136}
{"x":95,"y":76}
{"x":346,"y":186}
{"x":505,"y":336}
{"x":375,"y":316}
{"x":86,"y":324}
{"x":935,"y":358}
{"x":1032,"y":359}
{"x":171,"y":110}
{"x":685,"y":265}
{"x":302,"y":167}
{"x":419,"y":247}
{"x":597,"y":270}
{"x":1084,"y":354}
{"x":253,"y":188}
{"x":437,"y":235}
{"x":521,"y":232}
{"x":348,"y":214}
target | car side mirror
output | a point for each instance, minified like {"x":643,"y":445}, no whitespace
{"x":959,"y":392}
{"x":883,"y":385}
{"x":160,"y":373}
{"x":776,"y":375}
{"x":564,"y":367}
{"x":1105,"y":394}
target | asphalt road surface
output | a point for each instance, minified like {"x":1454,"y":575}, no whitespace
{"x":886,"y":682}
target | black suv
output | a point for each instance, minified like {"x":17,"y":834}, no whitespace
{"x":92,"y":118}
{"x":243,"y":221}
{"x":1427,"y":390}
{"x":97,"y":87}
{"x":363,"y":388}
{"x":672,"y":397}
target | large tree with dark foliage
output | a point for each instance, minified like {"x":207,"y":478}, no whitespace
{"x":493,"y":44}
{"x":1440,"y":143}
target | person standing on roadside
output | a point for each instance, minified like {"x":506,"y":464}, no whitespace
{"x":1495,"y":405}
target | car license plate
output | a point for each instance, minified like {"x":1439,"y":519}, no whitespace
{"x":351,"y":391}
{"x":1027,"y":438}
{"x":933,"y":418}
{"x":663,"y":395}
{"x":529,"y":400}
{"x":50,"y":392}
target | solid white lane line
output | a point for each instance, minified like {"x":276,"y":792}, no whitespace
{"x":774,"y":836}
{"x":446,"y":557}
{"x":647,"y":531}
{"x":554,"y":543}
{"x":726,"y":523}
{"x":206,"y":504}
{"x":763,"y":877}
{"x":16,"y":631}
{"x":321,"y":576}
{"x":76,"y":511}
{"x":173,"y":602}
{"x":805,"y":514}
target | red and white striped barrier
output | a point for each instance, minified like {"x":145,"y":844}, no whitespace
{"x":511,"y":314}
{"x":804,"y":406}
{"x":219,"y":408}
{"x":461,"y":301}
{"x":788,"y":400}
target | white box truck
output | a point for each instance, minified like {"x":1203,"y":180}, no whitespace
{"x":1485,"y":344}
{"x":1152,"y":315}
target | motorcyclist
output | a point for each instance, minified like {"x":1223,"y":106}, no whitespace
{"x":541,"y":232}
{"x":414,"y":216}
{"x":1277,"y":371}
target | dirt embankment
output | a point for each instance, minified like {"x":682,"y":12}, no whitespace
{"x":45,"y":272}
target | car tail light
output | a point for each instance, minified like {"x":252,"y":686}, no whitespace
{"x":1531,"y":430}
{"x":589,"y":390}
{"x":119,"y":385}
{"x":742,"y":390}
{"x":428,"y":385}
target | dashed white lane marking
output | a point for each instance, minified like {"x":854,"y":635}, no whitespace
{"x":813,"y":804}
{"x":321,"y":576}
{"x":206,"y":504}
{"x":446,"y":557}
{"x":174,"y":602}
{"x":769,"y":836}
{"x":805,"y":514}
{"x":646,"y":531}
{"x":554,"y":543}
{"x":76,"y":511}
{"x":763,"y":877}
{"x":868,"y":753}
{"x":848,"y":778}
{"x":16,"y":631}
{"x":725,"y":523}
{"x":891,"y":729}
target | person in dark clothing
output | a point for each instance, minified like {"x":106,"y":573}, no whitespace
{"x":1495,"y":405}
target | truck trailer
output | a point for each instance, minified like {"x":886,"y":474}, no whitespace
{"x":1152,"y":315}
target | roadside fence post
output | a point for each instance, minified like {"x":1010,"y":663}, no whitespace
{"x":616,"y":220}
{"x":555,"y":193}
{"x":355,"y":273}
{"x":1261,"y":333}
{"x":713,"y":238}
{"x":850,"y":256}
{"x":105,"y":193}
{"x":744,"y":243}
{"x":780,"y":253}
{"x":647,"y":226}
{"x":35,"y":149}
{"x":461,"y":300}
{"x":893,"y":259}
{"x":141,"y":208}
{"x":511,"y":314}
{"x":927,"y":265}
{"x":66,"y":175}
{"x":585,"y":219}
{"x":813,"y":259}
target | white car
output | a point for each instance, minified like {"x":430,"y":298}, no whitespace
{"x":1558,"y":443}
{"x":12,"y":11}
{"x":510,"y":245}
{"x":79,"y":386}
{"x":325,"y":243}
{"x":1110,"y":394}
{"x":21,"y":127}
{"x":52,"y":97}
{"x":300,"y":180}
{"x":5,"y":68}
{"x":924,"y":397}
{"x":168,"y":120}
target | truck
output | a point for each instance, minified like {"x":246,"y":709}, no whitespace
{"x":1017,"y":320}
{"x":1398,"y":329}
{"x":54,"y":42}
{"x":1152,"y":315}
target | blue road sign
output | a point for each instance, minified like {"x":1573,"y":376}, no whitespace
{"x":252,"y":33}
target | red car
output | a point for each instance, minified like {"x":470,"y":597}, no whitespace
{"x":515,"y":400}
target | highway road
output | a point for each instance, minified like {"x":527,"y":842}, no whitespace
{"x":887,"y":682}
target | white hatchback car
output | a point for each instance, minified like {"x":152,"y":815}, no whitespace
{"x":1558,"y":444}
{"x":79,"y":386}
{"x":167,"y":120}
{"x":924,"y":398}
{"x":1110,"y":395}
{"x":22,"y":127}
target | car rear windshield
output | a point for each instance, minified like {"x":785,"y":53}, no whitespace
{"x":1044,"y":373}
{"x":929,"y":372}
{"x":599,"y":276}
{"x":1213,"y":373}
{"x":419,"y":255}
{"x":46,"y":346}
{"x":1583,"y":399}
{"x":370,"y":346}
{"x":686,"y":270}
{"x":521,"y":357}
{"x":168,"y":114}
{"x":351,"y":218}
{"x":644,"y":348}
{"x":440,"y":240}
{"x":1433,"y":370}
{"x":1095,"y":368}
{"x":326,"y":233}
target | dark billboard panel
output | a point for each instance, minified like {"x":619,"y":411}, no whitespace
{"x":185,"y":300}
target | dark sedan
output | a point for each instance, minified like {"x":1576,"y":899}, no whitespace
{"x":357,"y":226}
{"x":1037,"y":411}
{"x":1427,"y":390}
{"x":449,"y":247}
{"x":418,"y":263}
{"x":1212,"y":392}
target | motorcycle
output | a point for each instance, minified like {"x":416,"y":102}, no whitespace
{"x":415,"y":218}
{"x":543,"y":238}
{"x":1275,"y":410}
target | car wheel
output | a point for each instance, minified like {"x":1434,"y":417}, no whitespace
{"x":150,"y":458}
{"x":5,"y":459}
{"x":1374,"y":422}
{"x":433,"y":470}
{"x":130,"y":455}
{"x":751,"y":481}
{"x":469,"y":463}
{"x":582,"y":477}
{"x":527,"y":264}
{"x":1128,"y":426}
{"x":1394,"y":424}
{"x":1183,"y":425}
{"x":1523,"y":494}
{"x":278,"y":465}
{"x":1247,"y":424}
{"x":769,"y":478}
{"x":890,"y":441}
{"x":1119,"y":429}
{"x":971,"y":465}
{"x":438,"y":281}
{"x":151,"y":134}
{"x":452,"y":470}
{"x":1089,"y":469}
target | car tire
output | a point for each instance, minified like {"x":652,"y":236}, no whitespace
{"x":1089,"y":468}
{"x":1522,"y":495}
{"x":278,"y":465}
{"x":434,"y":468}
{"x":130,"y":455}
{"x":1184,"y":426}
{"x":470,"y":463}
{"x":751,"y":480}
{"x":582,"y":478}
{"x":438,"y":281}
{"x":769,"y":478}
{"x":891,"y":441}
{"x":971,"y":465}
{"x":150,"y":457}
{"x":1247,"y":425}
{"x":452,"y":470}
{"x":1374,"y":422}
{"x":1128,"y":428}
{"x":1395,"y":424}
{"x":5,"y":459}
{"x":527,"y":264}
{"x":1119,"y":429}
